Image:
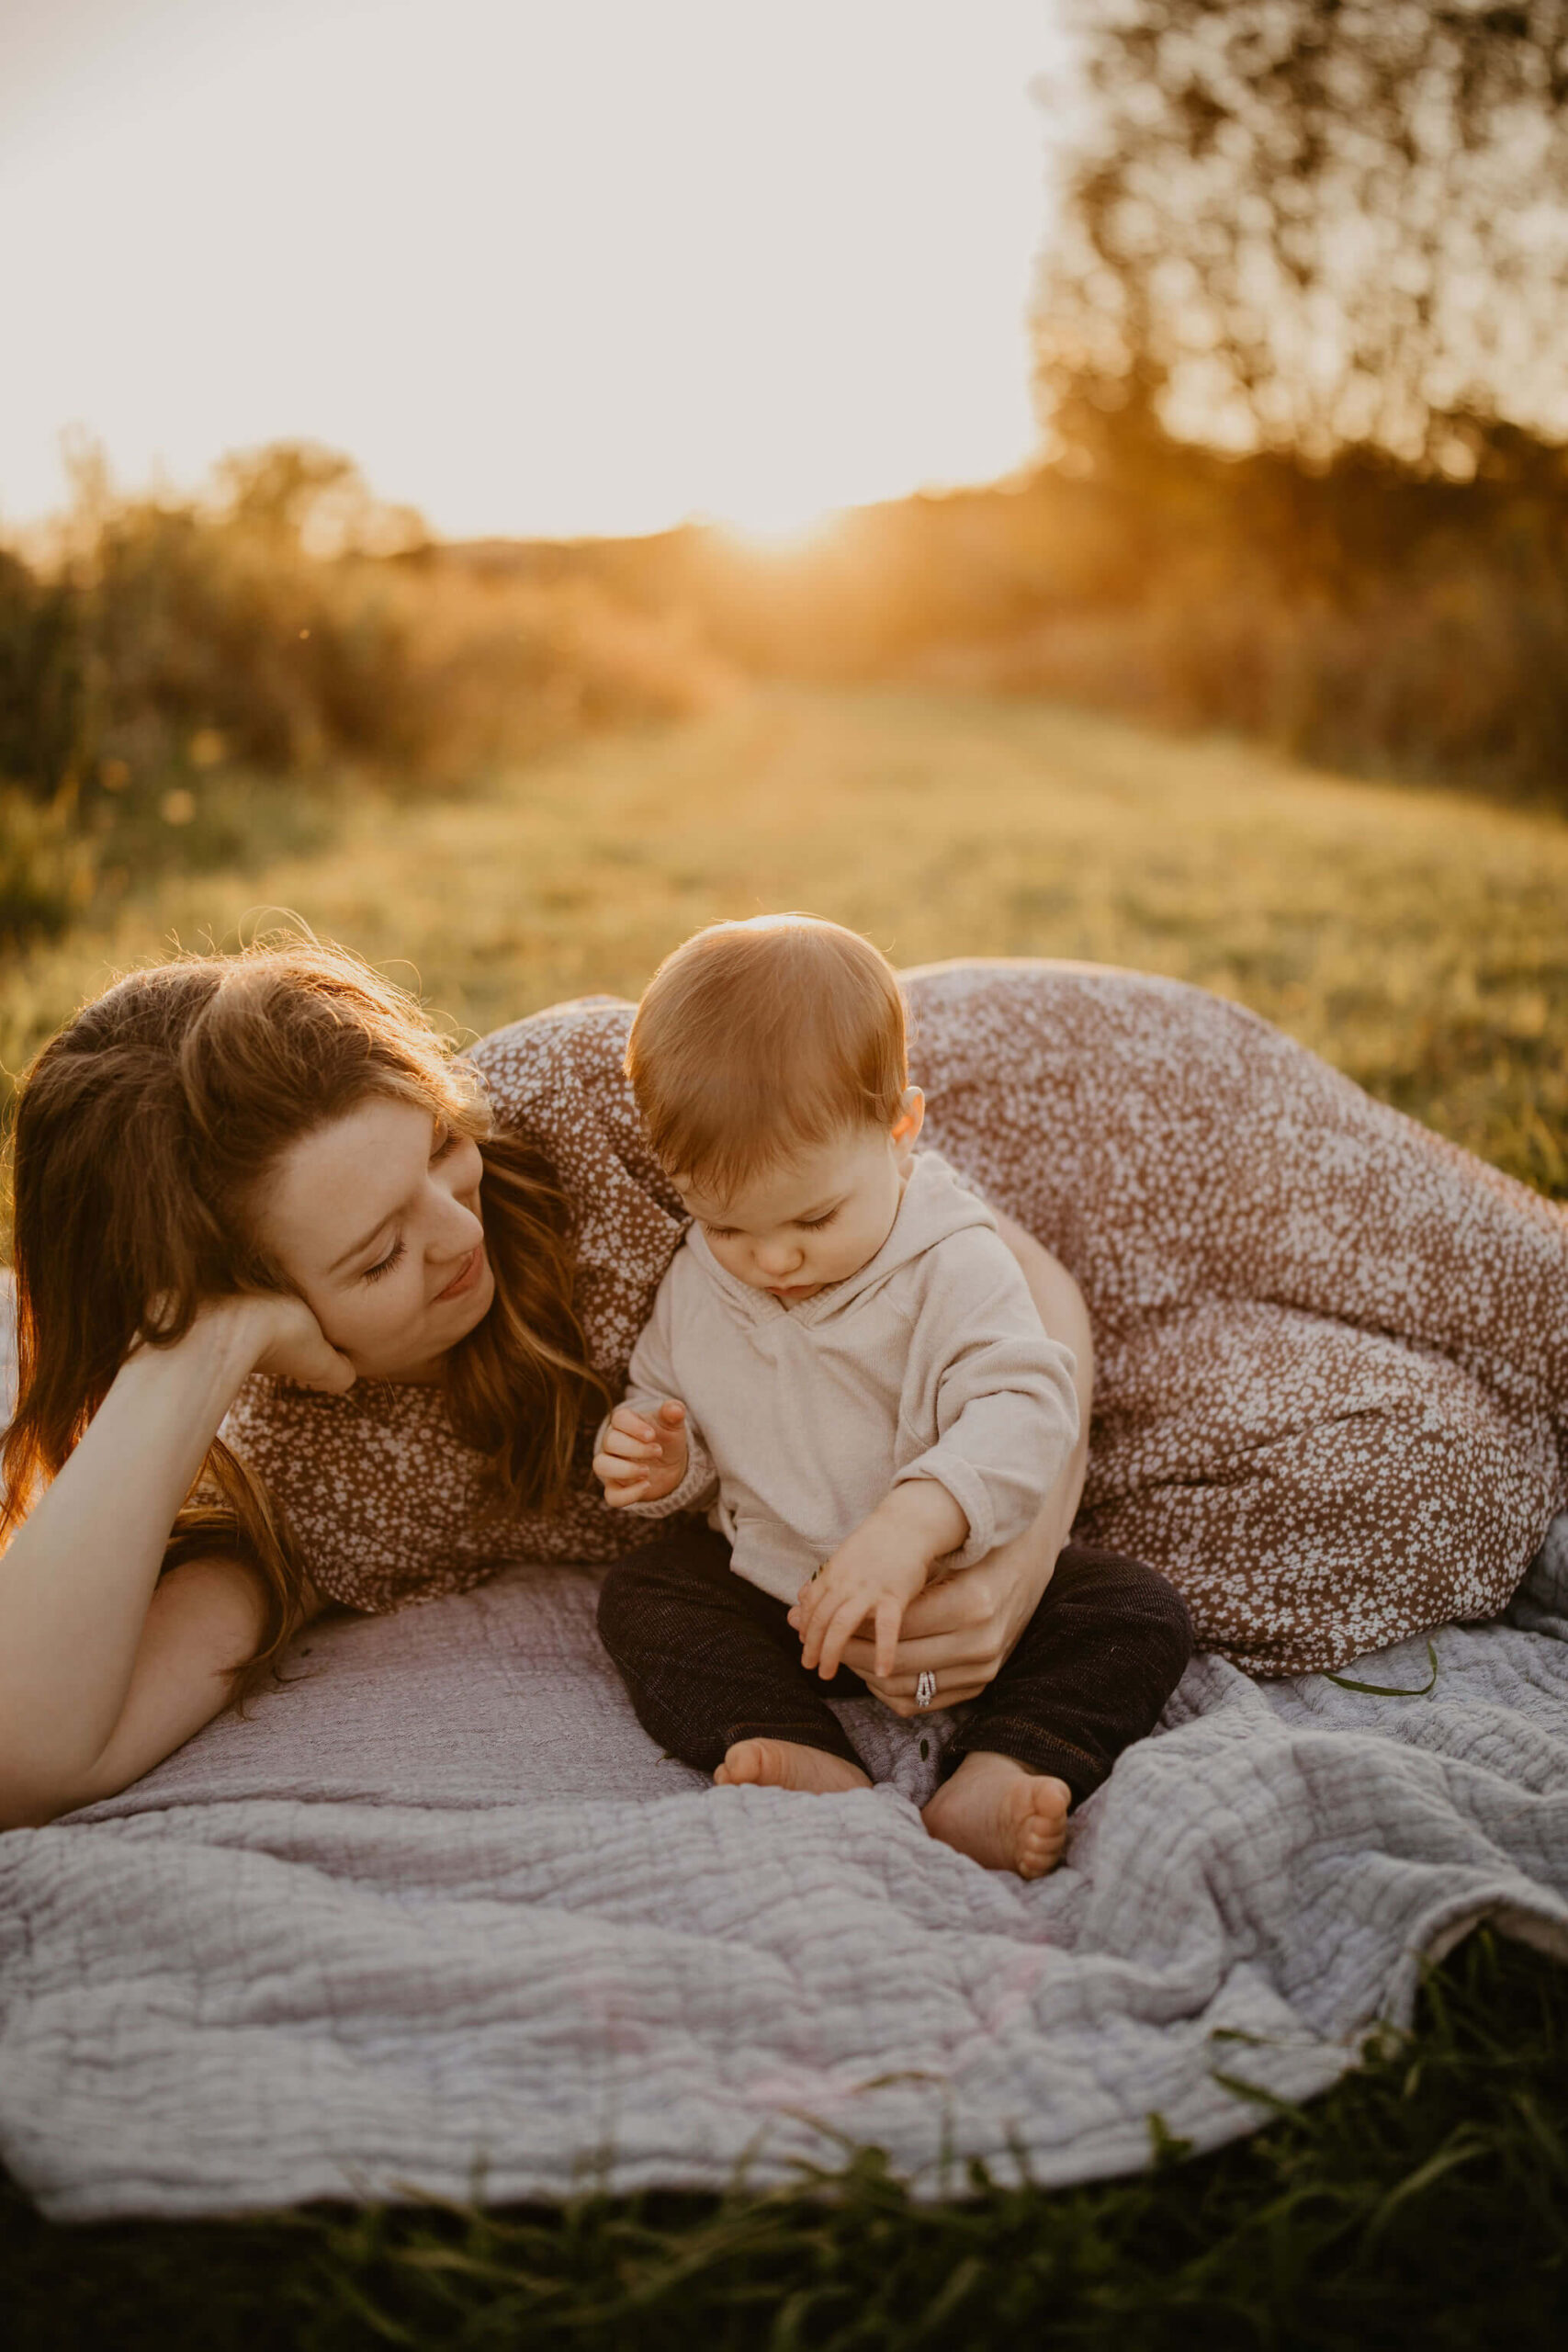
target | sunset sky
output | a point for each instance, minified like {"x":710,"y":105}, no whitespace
{"x":540,"y":265}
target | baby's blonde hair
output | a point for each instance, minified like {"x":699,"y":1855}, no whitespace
{"x":757,"y":1040}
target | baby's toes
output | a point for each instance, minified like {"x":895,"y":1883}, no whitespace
{"x":1039,"y":1851}
{"x":1040,"y":1825}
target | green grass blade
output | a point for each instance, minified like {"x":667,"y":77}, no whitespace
{"x":1391,"y":1689}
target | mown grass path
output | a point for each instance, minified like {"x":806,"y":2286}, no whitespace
{"x":1416,"y":940}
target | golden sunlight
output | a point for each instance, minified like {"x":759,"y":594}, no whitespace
{"x":779,"y":526}
{"x":751,"y":261}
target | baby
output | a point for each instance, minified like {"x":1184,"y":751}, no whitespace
{"x":845,"y":1370}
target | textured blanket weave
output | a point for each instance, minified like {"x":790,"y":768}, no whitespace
{"x":437,"y":1920}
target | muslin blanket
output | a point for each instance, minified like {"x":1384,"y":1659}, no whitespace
{"x":437,"y":1919}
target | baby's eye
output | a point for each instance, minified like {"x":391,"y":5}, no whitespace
{"x":814,"y":1224}
{"x":719,"y":1232}
{"x":384,"y":1265}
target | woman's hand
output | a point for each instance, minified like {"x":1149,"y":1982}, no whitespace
{"x":964,"y":1629}
{"x":287,"y":1340}
{"x":876,"y":1574}
{"x":258,"y":1330}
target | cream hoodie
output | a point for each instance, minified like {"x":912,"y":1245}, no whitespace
{"x":929,"y":1363}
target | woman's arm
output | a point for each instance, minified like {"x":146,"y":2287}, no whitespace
{"x":962,"y":1629}
{"x":1061,"y":1308}
{"x":203,"y":1624}
{"x":103,"y":1670}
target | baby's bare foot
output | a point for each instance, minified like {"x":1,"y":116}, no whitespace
{"x":1002,"y":1815}
{"x":784,"y":1764}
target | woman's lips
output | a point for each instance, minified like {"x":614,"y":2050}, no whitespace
{"x":466,"y":1276}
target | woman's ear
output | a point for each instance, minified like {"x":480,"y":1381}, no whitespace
{"x":911,"y":1118}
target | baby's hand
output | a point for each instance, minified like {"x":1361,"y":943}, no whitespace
{"x":875,"y":1573}
{"x":644,"y":1454}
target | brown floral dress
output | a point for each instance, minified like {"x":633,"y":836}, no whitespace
{"x":1332,"y":1350}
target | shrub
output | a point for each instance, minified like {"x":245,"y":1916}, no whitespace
{"x":286,"y":627}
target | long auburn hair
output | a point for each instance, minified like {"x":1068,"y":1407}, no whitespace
{"x":141,"y":1133}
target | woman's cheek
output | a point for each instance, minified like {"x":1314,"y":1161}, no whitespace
{"x":370,"y":1312}
{"x":372,"y":1322}
{"x":467,"y":1176}
{"x":347,"y":1313}
{"x":407,"y":1300}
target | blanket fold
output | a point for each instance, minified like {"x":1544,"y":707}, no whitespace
{"x":435,"y":1919}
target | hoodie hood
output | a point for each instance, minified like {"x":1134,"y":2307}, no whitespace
{"x":935,"y":1206}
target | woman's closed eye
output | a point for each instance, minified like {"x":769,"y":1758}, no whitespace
{"x":384,"y":1265}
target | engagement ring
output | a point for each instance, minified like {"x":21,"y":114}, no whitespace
{"x":925,"y":1689}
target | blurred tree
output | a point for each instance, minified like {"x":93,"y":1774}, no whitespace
{"x":299,"y":496}
{"x":1305,"y":223}
{"x":43,"y":699}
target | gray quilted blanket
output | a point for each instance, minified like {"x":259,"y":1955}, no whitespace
{"x":437,"y":1919}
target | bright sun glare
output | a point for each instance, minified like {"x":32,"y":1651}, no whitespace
{"x":780,"y":527}
{"x":537,"y":268}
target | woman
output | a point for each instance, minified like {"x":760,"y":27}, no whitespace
{"x":255,"y":1195}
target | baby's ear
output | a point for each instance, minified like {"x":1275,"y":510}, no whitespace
{"x":912,"y":1117}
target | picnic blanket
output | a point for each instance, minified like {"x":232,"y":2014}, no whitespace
{"x":435,"y":1919}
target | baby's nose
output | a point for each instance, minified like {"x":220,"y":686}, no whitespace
{"x":778,"y":1257}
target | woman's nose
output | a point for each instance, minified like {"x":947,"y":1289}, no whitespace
{"x":456,"y":1230}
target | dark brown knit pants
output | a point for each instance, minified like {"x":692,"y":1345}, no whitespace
{"x":708,"y":1660}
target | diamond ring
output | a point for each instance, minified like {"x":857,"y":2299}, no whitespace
{"x":925,"y":1689}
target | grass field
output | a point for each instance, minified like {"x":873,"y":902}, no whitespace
{"x":1416,"y":940}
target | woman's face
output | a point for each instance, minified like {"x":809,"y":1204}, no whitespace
{"x":375,"y":1220}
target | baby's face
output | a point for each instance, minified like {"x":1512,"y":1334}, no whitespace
{"x":811,"y":1220}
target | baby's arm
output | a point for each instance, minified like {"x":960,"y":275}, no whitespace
{"x":649,"y":1456}
{"x":1007,"y":1417}
{"x":642,"y":1456}
{"x":1006,"y":1407}
{"x":875,"y":1573}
